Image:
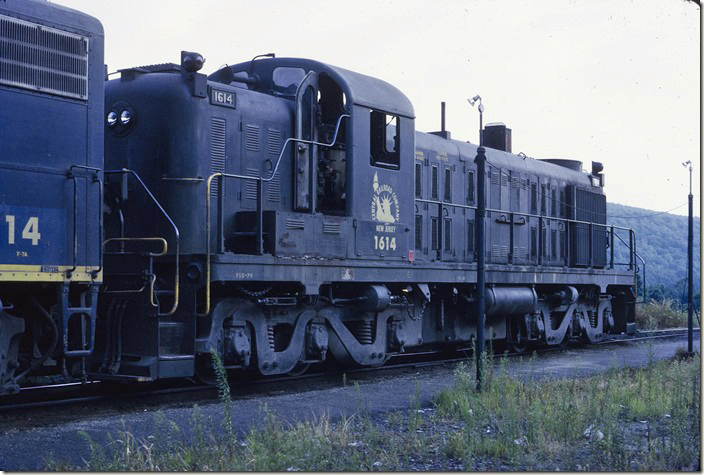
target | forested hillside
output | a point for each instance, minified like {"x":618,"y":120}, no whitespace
{"x":662,"y":243}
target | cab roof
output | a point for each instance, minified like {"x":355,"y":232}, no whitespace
{"x":359,"y":89}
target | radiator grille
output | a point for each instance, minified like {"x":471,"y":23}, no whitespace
{"x":217,"y":153}
{"x":43,"y":59}
{"x":590,"y":207}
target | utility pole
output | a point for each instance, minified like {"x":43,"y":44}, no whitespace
{"x":480,"y":160}
{"x":690,"y":263}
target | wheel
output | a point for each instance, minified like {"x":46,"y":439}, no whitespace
{"x":516,"y":335}
{"x":205,"y":373}
{"x":299,"y":369}
{"x":565,"y":343}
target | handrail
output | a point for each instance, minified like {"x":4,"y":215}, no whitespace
{"x":164,"y":243}
{"x":96,"y":178}
{"x":521,"y":213}
{"x":566,"y":221}
{"x":635,"y":279}
{"x":259,"y":181}
{"x":176,"y":235}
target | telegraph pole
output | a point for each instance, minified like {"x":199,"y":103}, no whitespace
{"x":481,"y":254}
{"x":690,"y":263}
{"x":480,"y":160}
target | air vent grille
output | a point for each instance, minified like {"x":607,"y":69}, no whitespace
{"x":218,"y":129}
{"x":274,"y":141}
{"x":43,"y":59}
{"x":274,"y":189}
{"x":331,"y":228}
{"x":295,"y":224}
{"x":250,"y":186}
{"x":251,"y":139}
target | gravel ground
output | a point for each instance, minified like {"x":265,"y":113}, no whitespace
{"x":25,"y":447}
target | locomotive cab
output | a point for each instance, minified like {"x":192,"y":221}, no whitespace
{"x":332,"y":108}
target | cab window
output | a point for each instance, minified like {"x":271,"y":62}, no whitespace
{"x":383,"y":147}
{"x":286,"y":80}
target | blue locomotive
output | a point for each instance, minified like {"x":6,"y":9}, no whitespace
{"x":52,"y":78}
{"x":283,"y":212}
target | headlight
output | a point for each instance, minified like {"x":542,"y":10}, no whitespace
{"x":125,"y":117}
{"x":112,"y":118}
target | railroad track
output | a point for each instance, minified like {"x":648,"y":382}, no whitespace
{"x":78,"y":393}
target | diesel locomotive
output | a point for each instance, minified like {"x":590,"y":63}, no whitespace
{"x":280,"y":212}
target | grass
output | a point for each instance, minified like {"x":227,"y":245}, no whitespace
{"x":659,"y":315}
{"x":624,"y":419}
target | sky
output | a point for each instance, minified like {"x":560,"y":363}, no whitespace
{"x":614,"y":81}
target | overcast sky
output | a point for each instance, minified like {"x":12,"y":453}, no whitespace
{"x":616,"y":81}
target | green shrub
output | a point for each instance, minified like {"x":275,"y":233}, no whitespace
{"x":659,"y":315}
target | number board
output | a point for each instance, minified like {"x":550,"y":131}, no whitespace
{"x":223,"y":98}
{"x":32,"y":236}
{"x":382,"y":239}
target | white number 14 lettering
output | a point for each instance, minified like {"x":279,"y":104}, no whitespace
{"x":30,"y":231}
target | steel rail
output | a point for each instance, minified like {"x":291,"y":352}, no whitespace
{"x":396,"y":362}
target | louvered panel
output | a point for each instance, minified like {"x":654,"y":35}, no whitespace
{"x":515,"y":182}
{"x":218,"y":130}
{"x":331,"y":228}
{"x":295,"y":223}
{"x":250,"y":186}
{"x":504,"y":179}
{"x":494,"y":178}
{"x":274,"y":141}
{"x":504,"y":251}
{"x":273,"y":190}
{"x":589,"y":207}
{"x":251,"y":138}
{"x":495,"y":251}
{"x":43,"y":59}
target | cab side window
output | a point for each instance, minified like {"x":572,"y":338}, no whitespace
{"x":384,"y":140}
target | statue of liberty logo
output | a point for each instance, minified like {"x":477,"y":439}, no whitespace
{"x":384,"y":203}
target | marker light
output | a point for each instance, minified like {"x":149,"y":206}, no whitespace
{"x":125,"y":117}
{"x":112,"y":118}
